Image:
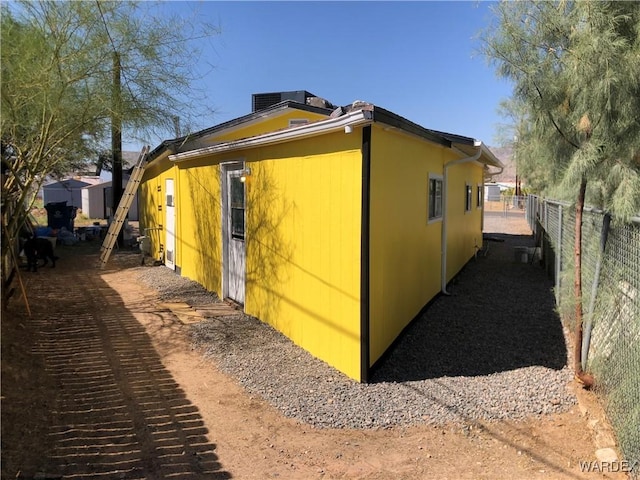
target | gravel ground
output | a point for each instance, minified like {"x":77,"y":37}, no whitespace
{"x":493,"y":349}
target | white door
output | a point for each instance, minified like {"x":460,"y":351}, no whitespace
{"x":170,"y":226}
{"x":233,"y":233}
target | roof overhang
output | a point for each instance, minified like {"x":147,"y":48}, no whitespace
{"x":285,"y":107}
{"x":196,"y":140}
{"x":467,"y":146}
{"x":191,"y":147}
{"x":489,"y":158}
{"x":486,"y":156}
{"x":400,"y":123}
{"x":330,"y":125}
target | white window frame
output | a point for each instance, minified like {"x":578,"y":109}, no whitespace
{"x":468,"y":197}
{"x":435,"y":217}
{"x":480,"y":196}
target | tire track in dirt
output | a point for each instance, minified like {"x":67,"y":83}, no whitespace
{"x":118,"y":411}
{"x":72,"y":410}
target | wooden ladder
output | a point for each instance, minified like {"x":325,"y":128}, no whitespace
{"x":128,"y":195}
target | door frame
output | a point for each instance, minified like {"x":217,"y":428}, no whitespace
{"x":169,"y":226}
{"x":225,"y":169}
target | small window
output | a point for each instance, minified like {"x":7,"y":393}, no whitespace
{"x":468,"y":197}
{"x":435,"y":197}
{"x":479,"y":195}
{"x":236,"y":199}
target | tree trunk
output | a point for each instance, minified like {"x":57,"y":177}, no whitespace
{"x":116,"y":143}
{"x":581,"y":375}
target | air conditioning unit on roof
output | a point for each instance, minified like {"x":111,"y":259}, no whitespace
{"x":260,"y":101}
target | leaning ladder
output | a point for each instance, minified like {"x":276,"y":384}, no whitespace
{"x":123,"y":208}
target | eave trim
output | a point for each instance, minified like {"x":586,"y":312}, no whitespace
{"x":356,"y":118}
{"x":393,"y":120}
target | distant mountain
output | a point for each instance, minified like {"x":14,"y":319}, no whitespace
{"x":505,"y":155}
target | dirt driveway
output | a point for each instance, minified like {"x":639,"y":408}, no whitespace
{"x":100,"y":382}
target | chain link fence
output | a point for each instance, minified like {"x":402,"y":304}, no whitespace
{"x":611,"y":305}
{"x":504,"y":205}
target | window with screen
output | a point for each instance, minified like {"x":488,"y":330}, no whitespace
{"x":236,"y":195}
{"x":468,"y":197}
{"x":435,"y":197}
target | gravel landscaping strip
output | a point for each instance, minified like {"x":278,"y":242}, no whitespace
{"x":171,"y":286}
{"x":493,"y":349}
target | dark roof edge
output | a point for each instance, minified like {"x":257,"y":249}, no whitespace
{"x":389,"y":118}
{"x":380,"y":114}
{"x":169,"y":144}
{"x":453,"y":138}
{"x":166,"y":145}
{"x":440,"y":138}
{"x":260,"y":113}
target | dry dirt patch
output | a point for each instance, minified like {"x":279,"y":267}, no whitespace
{"x":101,"y":382}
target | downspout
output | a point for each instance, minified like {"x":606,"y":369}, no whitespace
{"x":491,"y":174}
{"x":588,"y":327}
{"x":445,"y":188}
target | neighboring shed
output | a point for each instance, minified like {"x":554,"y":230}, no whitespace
{"x":335,"y":226}
{"x":97,"y":200}
{"x":492,"y":192}
{"x":67,"y":190}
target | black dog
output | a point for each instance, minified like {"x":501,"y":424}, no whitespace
{"x":38,"y":249}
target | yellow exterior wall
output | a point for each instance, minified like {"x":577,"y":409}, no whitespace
{"x":279,"y":122}
{"x":405,"y":252}
{"x":303,"y":244}
{"x":199,"y":237}
{"x":464,"y":229}
{"x":198,"y":232}
{"x":303,"y":234}
{"x":303,"y":223}
{"x":152,"y":201}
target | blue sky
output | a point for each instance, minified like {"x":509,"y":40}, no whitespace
{"x":418,"y":59}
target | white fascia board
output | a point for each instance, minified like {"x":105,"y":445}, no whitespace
{"x":486,"y":158}
{"x":493,"y":160}
{"x":357,"y":118}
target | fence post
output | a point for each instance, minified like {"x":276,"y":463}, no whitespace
{"x":559,"y":254}
{"x":546,"y":215}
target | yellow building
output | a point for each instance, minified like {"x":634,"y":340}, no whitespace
{"x":336,"y":226}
